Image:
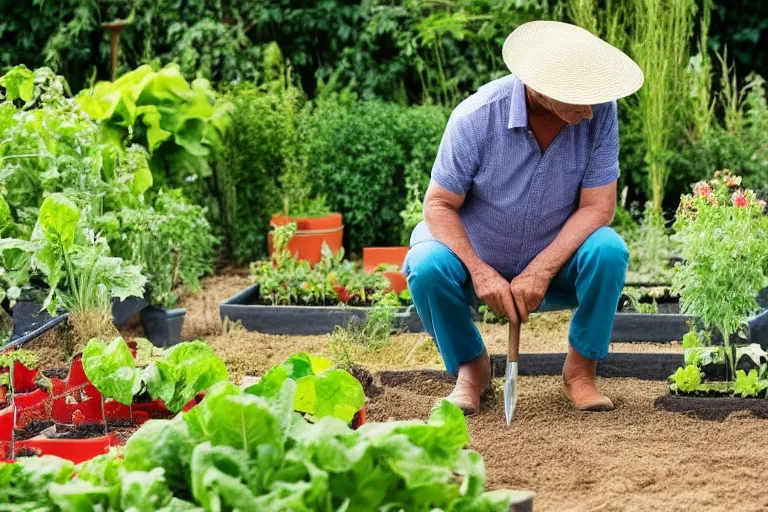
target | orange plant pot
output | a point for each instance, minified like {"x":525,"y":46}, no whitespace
{"x":312,"y":232}
{"x":373,"y":257}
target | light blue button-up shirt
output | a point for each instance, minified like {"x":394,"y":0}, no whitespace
{"x":518,"y":198}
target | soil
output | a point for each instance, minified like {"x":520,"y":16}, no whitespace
{"x":202,"y":317}
{"x":33,"y":428}
{"x":85,"y":431}
{"x":61,"y":372}
{"x":52,"y":348}
{"x":366,"y":380}
{"x":637,"y":457}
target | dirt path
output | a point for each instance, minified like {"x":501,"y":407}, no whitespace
{"x":634,"y":458}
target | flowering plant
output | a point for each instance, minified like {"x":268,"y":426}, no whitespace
{"x":724,"y":236}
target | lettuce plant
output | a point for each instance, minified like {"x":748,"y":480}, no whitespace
{"x":321,"y":390}
{"x":686,"y":379}
{"x":174,"y":376}
{"x":748,"y":384}
{"x":179,"y":123}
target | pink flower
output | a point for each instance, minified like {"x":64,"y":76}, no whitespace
{"x":761,"y":204}
{"x":739,"y":199}
{"x":702,"y":188}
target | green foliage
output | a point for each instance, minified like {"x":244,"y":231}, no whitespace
{"x":26,"y":357}
{"x":172,"y":243}
{"x":686,"y":379}
{"x":175,"y":376}
{"x":261,"y":145}
{"x":747,"y":384}
{"x":180,"y":124}
{"x":73,"y":262}
{"x":739,"y":143}
{"x":359,"y":156}
{"x":692,"y":339}
{"x":240,"y":451}
{"x":112,"y":370}
{"x":724,"y":243}
{"x":182,"y":372}
{"x":285,"y":280}
{"x":413,"y":213}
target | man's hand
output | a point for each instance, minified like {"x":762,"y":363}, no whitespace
{"x":494,"y":291}
{"x":528,"y":290}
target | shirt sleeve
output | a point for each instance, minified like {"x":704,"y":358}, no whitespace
{"x":458,"y":157}
{"x":603,"y":166}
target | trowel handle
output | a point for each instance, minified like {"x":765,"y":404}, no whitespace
{"x":513,"y":346}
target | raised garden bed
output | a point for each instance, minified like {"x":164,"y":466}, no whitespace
{"x":247,"y":308}
{"x":712,"y":408}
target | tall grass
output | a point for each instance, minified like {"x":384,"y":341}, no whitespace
{"x":660,"y":45}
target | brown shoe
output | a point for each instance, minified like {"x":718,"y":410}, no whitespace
{"x":579,"y":384}
{"x":473,"y":381}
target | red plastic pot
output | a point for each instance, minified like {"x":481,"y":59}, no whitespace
{"x":359,"y":419}
{"x":24,"y":378}
{"x":373,"y":257}
{"x":311,"y":234}
{"x":75,"y":450}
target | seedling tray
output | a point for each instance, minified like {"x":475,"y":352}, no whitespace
{"x":712,"y":408}
{"x":301,"y":320}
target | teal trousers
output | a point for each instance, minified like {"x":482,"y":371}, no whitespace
{"x":590,"y":283}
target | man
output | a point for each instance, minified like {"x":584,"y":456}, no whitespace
{"x":517,"y":212}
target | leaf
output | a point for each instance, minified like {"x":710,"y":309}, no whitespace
{"x":187,"y":369}
{"x":218,"y":478}
{"x":144,"y":491}
{"x":686,"y":379}
{"x":165,"y":444}
{"x":747,"y":384}
{"x":142,"y":180}
{"x":227,"y":417}
{"x":333,"y":393}
{"x":112,"y":369}
{"x":58,"y":219}
{"x":19,"y":83}
{"x":80,"y":496}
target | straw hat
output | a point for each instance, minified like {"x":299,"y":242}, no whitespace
{"x":570,"y":64}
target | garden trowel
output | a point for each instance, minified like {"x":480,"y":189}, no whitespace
{"x":510,"y":381}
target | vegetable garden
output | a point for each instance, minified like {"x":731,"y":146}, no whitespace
{"x":204,"y":216}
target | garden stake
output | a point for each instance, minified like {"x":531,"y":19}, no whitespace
{"x":510,"y":381}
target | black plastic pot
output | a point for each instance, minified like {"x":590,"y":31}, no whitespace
{"x":122,"y":311}
{"x":245,"y":308}
{"x":29,"y":322}
{"x":163,"y":326}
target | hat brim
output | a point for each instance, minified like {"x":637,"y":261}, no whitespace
{"x":570,"y":64}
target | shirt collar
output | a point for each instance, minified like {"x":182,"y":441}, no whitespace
{"x":518,"y":110}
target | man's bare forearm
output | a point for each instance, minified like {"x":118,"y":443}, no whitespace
{"x":583,"y":222}
{"x":446,"y":226}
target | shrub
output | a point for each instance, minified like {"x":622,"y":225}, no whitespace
{"x":357,"y":163}
{"x":362,"y":154}
{"x":261,"y":144}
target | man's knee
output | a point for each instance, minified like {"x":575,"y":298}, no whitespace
{"x":431,"y":263}
{"x":605,"y":248}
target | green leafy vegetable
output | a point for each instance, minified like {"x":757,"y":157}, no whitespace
{"x":112,"y":369}
{"x":686,"y":379}
{"x":320,"y":389}
{"x":747,"y":384}
{"x":691,"y":340}
{"x":19,"y":83}
{"x":184,"y":371}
